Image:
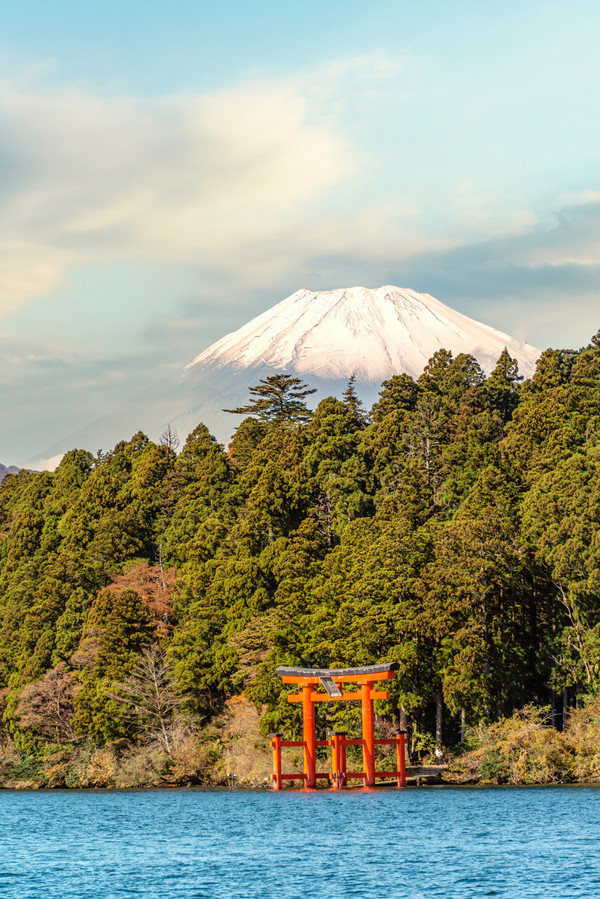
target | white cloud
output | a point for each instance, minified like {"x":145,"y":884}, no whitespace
{"x":46,"y":464}
{"x":570,"y":237}
{"x":349,"y":80}
{"x":241,"y":184}
{"x":584,"y":198}
{"x":203,"y":179}
{"x":238,"y":183}
{"x":29,"y":270}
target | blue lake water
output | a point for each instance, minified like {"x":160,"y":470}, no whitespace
{"x":206,"y":844}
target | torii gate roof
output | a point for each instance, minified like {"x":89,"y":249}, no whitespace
{"x":307,"y":676}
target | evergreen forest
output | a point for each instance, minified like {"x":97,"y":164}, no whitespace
{"x":453,"y":528}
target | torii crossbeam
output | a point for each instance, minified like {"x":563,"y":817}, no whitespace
{"x":332,"y":679}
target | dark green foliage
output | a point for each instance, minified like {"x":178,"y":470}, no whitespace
{"x":399,"y":393}
{"x":248,"y":436}
{"x":456,"y":531}
{"x":278,"y":399}
{"x":117,"y":629}
{"x":503,"y":386}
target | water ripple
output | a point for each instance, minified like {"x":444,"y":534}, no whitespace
{"x":201,"y":844}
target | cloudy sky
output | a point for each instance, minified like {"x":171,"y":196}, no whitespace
{"x":168,"y":171}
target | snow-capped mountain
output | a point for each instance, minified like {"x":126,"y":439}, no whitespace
{"x":321,"y":336}
{"x":374,"y":334}
{"x":325,"y":337}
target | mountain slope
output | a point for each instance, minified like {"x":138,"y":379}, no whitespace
{"x":372,"y":333}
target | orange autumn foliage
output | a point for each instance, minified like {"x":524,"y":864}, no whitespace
{"x":155,"y":586}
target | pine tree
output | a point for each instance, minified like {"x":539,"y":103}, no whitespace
{"x":503,"y":386}
{"x":279,"y":400}
{"x":118,"y":628}
{"x":399,"y":393}
{"x":351,"y":400}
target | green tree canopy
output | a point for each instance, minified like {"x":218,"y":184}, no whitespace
{"x":278,"y":399}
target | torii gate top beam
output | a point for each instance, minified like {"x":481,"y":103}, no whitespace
{"x":306,"y":677}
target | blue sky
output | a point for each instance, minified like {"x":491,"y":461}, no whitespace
{"x":167,"y":171}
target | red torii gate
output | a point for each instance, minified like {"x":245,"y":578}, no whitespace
{"x":331,"y":678}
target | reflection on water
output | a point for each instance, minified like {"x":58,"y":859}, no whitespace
{"x":207,"y":844}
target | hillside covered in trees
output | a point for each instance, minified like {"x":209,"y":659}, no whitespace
{"x":454,"y":528}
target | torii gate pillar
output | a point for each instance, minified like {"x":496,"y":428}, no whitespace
{"x":310,"y":743}
{"x":368,"y":734}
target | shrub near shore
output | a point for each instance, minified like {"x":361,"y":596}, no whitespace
{"x":526,"y":749}
{"x":196,"y":756}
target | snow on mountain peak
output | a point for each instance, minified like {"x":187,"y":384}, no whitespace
{"x":372,"y":333}
{"x":321,"y":336}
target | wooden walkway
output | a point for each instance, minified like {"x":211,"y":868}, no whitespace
{"x":416,"y":775}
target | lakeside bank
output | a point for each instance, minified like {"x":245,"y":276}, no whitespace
{"x":521,"y":750}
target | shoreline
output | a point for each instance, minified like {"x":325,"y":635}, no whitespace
{"x":250,"y":789}
{"x":231,"y":754}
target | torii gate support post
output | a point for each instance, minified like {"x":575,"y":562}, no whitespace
{"x":343,"y":759}
{"x":310,"y":748}
{"x":368,"y":734}
{"x":401,"y":757}
{"x":338,"y":759}
{"x":276,"y":745}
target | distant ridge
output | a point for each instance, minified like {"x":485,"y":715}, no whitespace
{"x":7,"y":469}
